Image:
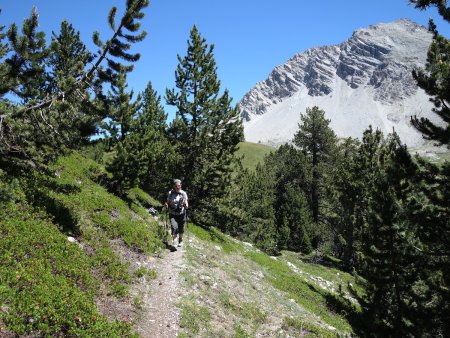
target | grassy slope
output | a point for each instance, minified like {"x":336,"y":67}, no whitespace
{"x":253,"y":153}
{"x":238,"y":291}
{"x":48,"y":285}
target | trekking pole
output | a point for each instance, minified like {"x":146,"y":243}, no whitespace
{"x":165,"y":221}
{"x":187,"y":221}
{"x":169,"y":226}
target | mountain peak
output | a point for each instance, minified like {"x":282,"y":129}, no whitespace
{"x":367,"y":78}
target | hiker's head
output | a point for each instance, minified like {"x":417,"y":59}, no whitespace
{"x":177,"y":184}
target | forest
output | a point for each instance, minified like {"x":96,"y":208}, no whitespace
{"x":369,"y":205}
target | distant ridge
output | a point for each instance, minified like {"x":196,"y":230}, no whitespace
{"x":366,"y":80}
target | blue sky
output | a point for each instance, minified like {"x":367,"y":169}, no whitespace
{"x":251,"y":37}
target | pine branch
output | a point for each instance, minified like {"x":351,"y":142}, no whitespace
{"x":87,"y":77}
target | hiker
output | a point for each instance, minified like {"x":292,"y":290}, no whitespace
{"x":176,"y":204}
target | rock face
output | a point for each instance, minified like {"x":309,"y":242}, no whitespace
{"x":363,"y":81}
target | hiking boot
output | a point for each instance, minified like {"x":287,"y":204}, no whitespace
{"x":179,"y":244}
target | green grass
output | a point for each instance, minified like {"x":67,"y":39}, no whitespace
{"x":79,"y":203}
{"x":213,"y":235}
{"x":306,"y":329}
{"x":46,"y":285}
{"x":339,"y":279}
{"x":332,"y":308}
{"x":253,"y":153}
{"x":194,"y":317}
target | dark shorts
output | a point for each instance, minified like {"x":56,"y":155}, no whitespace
{"x":177,"y":222}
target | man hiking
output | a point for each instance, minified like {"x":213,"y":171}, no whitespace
{"x":176,"y":204}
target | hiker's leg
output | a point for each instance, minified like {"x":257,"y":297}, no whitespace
{"x":181,"y":226}
{"x":174,"y":224}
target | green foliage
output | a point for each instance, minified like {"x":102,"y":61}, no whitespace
{"x":47,"y":296}
{"x":62,"y":99}
{"x":430,"y":209}
{"x":317,"y":141}
{"x":391,"y":263}
{"x":206,"y":130}
{"x":435,"y":79}
{"x":9,"y":188}
{"x":348,"y":196}
{"x":144,"y":156}
{"x":140,"y":197}
{"x":121,"y":110}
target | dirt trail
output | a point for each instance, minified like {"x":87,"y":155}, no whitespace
{"x":160,"y":315}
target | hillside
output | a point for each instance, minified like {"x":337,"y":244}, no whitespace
{"x":234,"y":290}
{"x":62,"y":272}
{"x":88,"y":263}
{"x":252,"y":153}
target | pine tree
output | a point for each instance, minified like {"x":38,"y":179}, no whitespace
{"x":349,"y":199}
{"x":390,"y":260}
{"x":317,"y":141}
{"x":159,"y":154}
{"x":292,"y":210}
{"x":430,"y":206}
{"x":36,"y":131}
{"x":259,"y":203}
{"x":122,"y":110}
{"x":27,"y":62}
{"x":7,"y":81}
{"x":145,"y":157}
{"x":435,"y":78}
{"x":429,"y":210}
{"x":67,"y":59}
{"x":206,"y":130}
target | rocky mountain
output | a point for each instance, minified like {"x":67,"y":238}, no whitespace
{"x":363,"y":81}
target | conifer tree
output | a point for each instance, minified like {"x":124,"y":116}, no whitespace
{"x":389,"y":243}
{"x":145,"y":157}
{"x":292,"y":210}
{"x":430,"y":205}
{"x":67,"y":59}
{"x":27,"y":63}
{"x":317,"y":141}
{"x":122,"y":110}
{"x":349,"y":199}
{"x":7,"y":82}
{"x":36,"y":131}
{"x":207,"y":129}
{"x":435,"y":78}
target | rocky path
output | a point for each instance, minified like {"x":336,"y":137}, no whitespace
{"x":160,"y":315}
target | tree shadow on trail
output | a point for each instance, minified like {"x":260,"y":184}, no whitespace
{"x":342,"y":306}
{"x":169,"y":246}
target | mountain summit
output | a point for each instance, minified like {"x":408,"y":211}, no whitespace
{"x":363,"y":81}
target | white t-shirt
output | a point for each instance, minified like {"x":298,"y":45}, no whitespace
{"x":176,"y":201}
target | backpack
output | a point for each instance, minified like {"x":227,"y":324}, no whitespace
{"x":176,"y":204}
